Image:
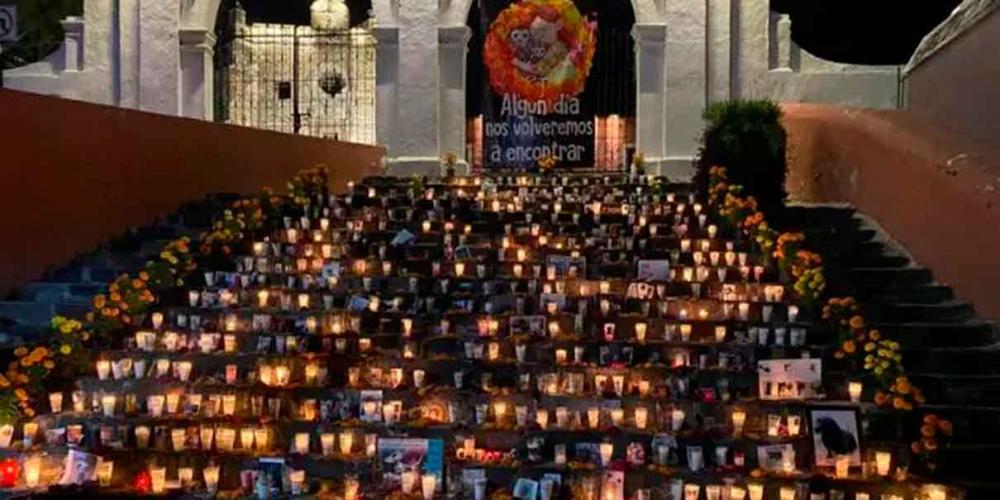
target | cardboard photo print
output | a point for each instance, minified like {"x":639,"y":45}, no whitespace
{"x":653,"y":270}
{"x":835,"y":433}
{"x":527,"y":325}
{"x":790,"y":379}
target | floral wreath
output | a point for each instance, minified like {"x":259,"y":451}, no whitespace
{"x":560,"y":72}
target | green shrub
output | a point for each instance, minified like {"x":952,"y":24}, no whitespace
{"x":748,"y":139}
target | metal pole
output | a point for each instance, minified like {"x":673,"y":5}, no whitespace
{"x":296,"y":114}
{"x":1,"y":65}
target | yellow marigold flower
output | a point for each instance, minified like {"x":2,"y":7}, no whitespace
{"x":49,"y":364}
{"x":66,"y":349}
{"x":139,"y":284}
{"x":849,"y":346}
{"x":21,"y":351}
{"x":4,"y":383}
{"x":869,"y":347}
{"x":28,"y":412}
{"x":20,"y":393}
{"x":875,"y":335}
{"x":116,"y":297}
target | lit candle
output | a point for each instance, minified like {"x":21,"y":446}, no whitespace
{"x":720,"y":333}
{"x":32,"y":471}
{"x":185,"y":475}
{"x":855,"y":388}
{"x":105,"y":470}
{"x":301,"y":443}
{"x":459,"y":268}
{"x":542,"y":417}
{"x":155,"y":404}
{"x":787,"y":493}
{"x":228,"y":404}
{"x":641,"y":415}
{"x":640,"y":331}
{"x":607,"y":451}
{"x":371,"y":444}
{"x":351,"y":488}
{"x":427,"y":485}
{"x":30,"y":429}
{"x":842,"y":464}
{"x":260,"y":437}
{"x":594,"y":417}
{"x":326,"y":441}
{"x":56,"y":402}
{"x":691,"y":491}
{"x":312,"y":372}
{"x":346,"y":443}
{"x":177,"y":438}
{"x":617,"y":416}
{"x":108,"y":403}
{"x":676,"y":419}
{"x":211,"y":474}
{"x":756,"y":491}
{"x":739,"y":419}
{"x":883,"y":460}
{"x":158,"y":477}
{"x":500,"y":410}
{"x":103,"y":369}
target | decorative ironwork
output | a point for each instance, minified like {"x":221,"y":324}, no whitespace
{"x":294,"y":79}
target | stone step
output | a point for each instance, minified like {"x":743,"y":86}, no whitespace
{"x":922,"y":335}
{"x":888,"y":279}
{"x":958,"y":361}
{"x":950,"y":311}
{"x":58,"y":293}
{"x":958,"y":389}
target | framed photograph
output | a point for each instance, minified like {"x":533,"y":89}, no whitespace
{"x":653,"y":270}
{"x":835,"y":432}
{"x":790,"y":379}
{"x":526,"y":489}
{"x":772,"y":457}
{"x":527,"y":325}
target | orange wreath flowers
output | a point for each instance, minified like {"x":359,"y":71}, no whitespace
{"x":540,"y":50}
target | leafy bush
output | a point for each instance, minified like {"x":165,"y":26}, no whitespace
{"x":748,"y":139}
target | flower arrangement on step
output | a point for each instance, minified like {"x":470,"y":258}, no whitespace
{"x":935,"y":433}
{"x":129,"y":297}
{"x":867,"y":353}
{"x":547,"y":163}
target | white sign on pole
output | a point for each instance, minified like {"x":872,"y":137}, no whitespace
{"x":8,"y":23}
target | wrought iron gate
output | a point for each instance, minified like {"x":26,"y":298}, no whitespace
{"x":294,"y":79}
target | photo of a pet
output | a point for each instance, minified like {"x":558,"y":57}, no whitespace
{"x":835,"y":433}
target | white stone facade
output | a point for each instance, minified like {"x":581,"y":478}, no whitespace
{"x":156,"y":55}
{"x":263,"y":56}
{"x":151,"y":55}
{"x":689,"y":53}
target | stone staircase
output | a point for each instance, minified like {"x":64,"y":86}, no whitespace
{"x":68,"y":289}
{"x":953,"y":355}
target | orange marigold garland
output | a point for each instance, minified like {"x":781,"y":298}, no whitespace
{"x":569,"y":40}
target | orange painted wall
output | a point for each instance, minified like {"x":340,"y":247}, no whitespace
{"x":74,"y":175}
{"x":935,"y":192}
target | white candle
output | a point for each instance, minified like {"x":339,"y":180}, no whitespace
{"x":56,"y":402}
{"x":428,"y":483}
{"x":842,"y":465}
{"x":103,"y":369}
{"x":32,"y":471}
{"x":211,"y":474}
{"x":346,"y":443}
{"x":108,"y":403}
{"x":158,"y":476}
{"x":607,"y":451}
{"x":855,"y":389}
{"x":756,"y":491}
{"x":883,"y":461}
{"x":301,"y":443}
{"x":641,"y":415}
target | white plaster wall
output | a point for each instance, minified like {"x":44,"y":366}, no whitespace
{"x":958,"y":86}
{"x":130,"y":57}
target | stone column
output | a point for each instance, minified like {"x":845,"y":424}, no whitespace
{"x":650,"y":116}
{"x":197,"y":74}
{"x":453,"y":46}
{"x":386,"y":85}
{"x":159,"y":57}
{"x":73,"y":43}
{"x":686,"y":60}
{"x":415,"y":148}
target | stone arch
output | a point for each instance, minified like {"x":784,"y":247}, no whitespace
{"x":196,"y":32}
{"x":455,"y":12}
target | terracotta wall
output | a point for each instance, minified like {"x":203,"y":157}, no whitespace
{"x":73,"y":175}
{"x":935,"y":192}
{"x":959,"y":86}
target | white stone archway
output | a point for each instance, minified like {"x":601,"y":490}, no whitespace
{"x":421,"y":113}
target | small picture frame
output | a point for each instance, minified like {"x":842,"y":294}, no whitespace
{"x":836,"y":432}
